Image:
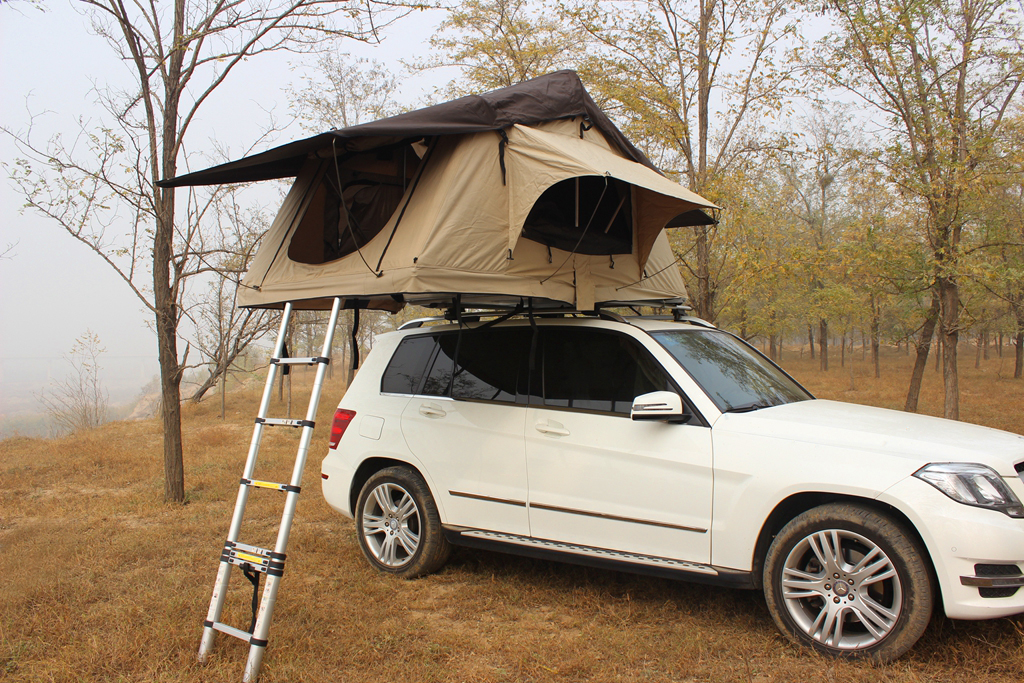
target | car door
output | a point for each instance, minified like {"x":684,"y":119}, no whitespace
{"x":466,"y":426}
{"x":600,"y":479}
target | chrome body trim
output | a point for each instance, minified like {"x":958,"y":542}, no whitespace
{"x":616,"y":518}
{"x":489,"y":499}
{"x":993,"y":581}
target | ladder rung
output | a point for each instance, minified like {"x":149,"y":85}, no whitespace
{"x":288,"y":488}
{"x":230,"y":630}
{"x":243,"y":560}
{"x":285,"y":422}
{"x":260,"y":559}
{"x":255,"y":550}
{"x":310,"y":360}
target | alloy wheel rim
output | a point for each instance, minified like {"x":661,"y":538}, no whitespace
{"x":391,"y":525}
{"x":842,"y":589}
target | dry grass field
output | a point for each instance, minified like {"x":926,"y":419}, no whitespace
{"x":101,"y":581}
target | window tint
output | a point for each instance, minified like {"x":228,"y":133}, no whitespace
{"x":588,"y":369}
{"x":405,"y":371}
{"x":490,"y":363}
{"x":440,"y":375}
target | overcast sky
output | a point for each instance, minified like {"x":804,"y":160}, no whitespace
{"x":52,"y":289}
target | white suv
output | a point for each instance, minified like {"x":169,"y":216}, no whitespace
{"x":673,"y":448}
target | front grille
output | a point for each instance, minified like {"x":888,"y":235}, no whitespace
{"x":996,"y":570}
{"x":997,"y":592}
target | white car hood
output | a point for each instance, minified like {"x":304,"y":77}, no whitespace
{"x":920,"y":438}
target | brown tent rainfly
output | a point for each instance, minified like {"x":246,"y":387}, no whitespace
{"x":523,"y":193}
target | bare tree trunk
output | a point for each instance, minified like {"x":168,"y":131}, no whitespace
{"x":167,"y":349}
{"x":977,"y":353}
{"x":823,"y":344}
{"x":923,"y":343}
{"x":842,"y":351}
{"x":1018,"y":366}
{"x":705,"y":296}
{"x":875,"y":343}
{"x":773,"y":351}
{"x":705,"y":299}
{"x":810,"y":339}
{"x":950,"y":312}
{"x":170,"y":378}
{"x":223,"y":394}
{"x":853,"y":386}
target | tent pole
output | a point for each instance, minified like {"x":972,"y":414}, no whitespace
{"x":408,"y":198}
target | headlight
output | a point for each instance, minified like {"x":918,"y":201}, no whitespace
{"x":972,"y":484}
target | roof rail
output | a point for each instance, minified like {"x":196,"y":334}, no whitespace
{"x":418,"y":322}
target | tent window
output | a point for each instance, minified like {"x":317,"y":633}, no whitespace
{"x":372,"y":185}
{"x":559,"y":218}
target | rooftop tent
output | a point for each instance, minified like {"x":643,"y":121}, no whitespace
{"x":528,"y":191}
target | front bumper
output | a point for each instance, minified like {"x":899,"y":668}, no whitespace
{"x":978,"y":554}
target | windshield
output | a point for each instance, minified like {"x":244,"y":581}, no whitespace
{"x":733,"y":375}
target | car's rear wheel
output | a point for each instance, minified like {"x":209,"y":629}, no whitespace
{"x":849,"y":581}
{"x":398,"y":526}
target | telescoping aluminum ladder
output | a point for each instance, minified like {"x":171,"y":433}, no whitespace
{"x":255,"y":561}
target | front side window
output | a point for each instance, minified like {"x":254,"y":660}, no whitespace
{"x":490,"y":364}
{"x":588,"y":369}
{"x":733,"y":375}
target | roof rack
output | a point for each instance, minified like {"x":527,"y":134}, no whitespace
{"x":471,"y":313}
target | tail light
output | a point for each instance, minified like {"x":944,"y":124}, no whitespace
{"x":342,"y":419}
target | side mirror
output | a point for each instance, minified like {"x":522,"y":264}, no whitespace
{"x":664,"y":406}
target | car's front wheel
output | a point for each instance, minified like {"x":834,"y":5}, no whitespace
{"x":398,"y":526}
{"x":849,"y":581}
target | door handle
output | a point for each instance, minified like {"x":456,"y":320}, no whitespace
{"x":432,"y":410}
{"x":551,"y":428}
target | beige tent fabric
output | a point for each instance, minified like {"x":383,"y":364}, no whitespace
{"x":539,"y":158}
{"x":460,"y":232}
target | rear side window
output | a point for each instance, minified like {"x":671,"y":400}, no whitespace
{"x":405,"y":371}
{"x":588,"y":369}
{"x":440,"y":375}
{"x":478,"y":365}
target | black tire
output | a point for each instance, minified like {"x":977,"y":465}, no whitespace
{"x":873,"y":595}
{"x":398,"y":526}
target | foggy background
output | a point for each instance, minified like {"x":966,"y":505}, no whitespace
{"x":52,"y":288}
